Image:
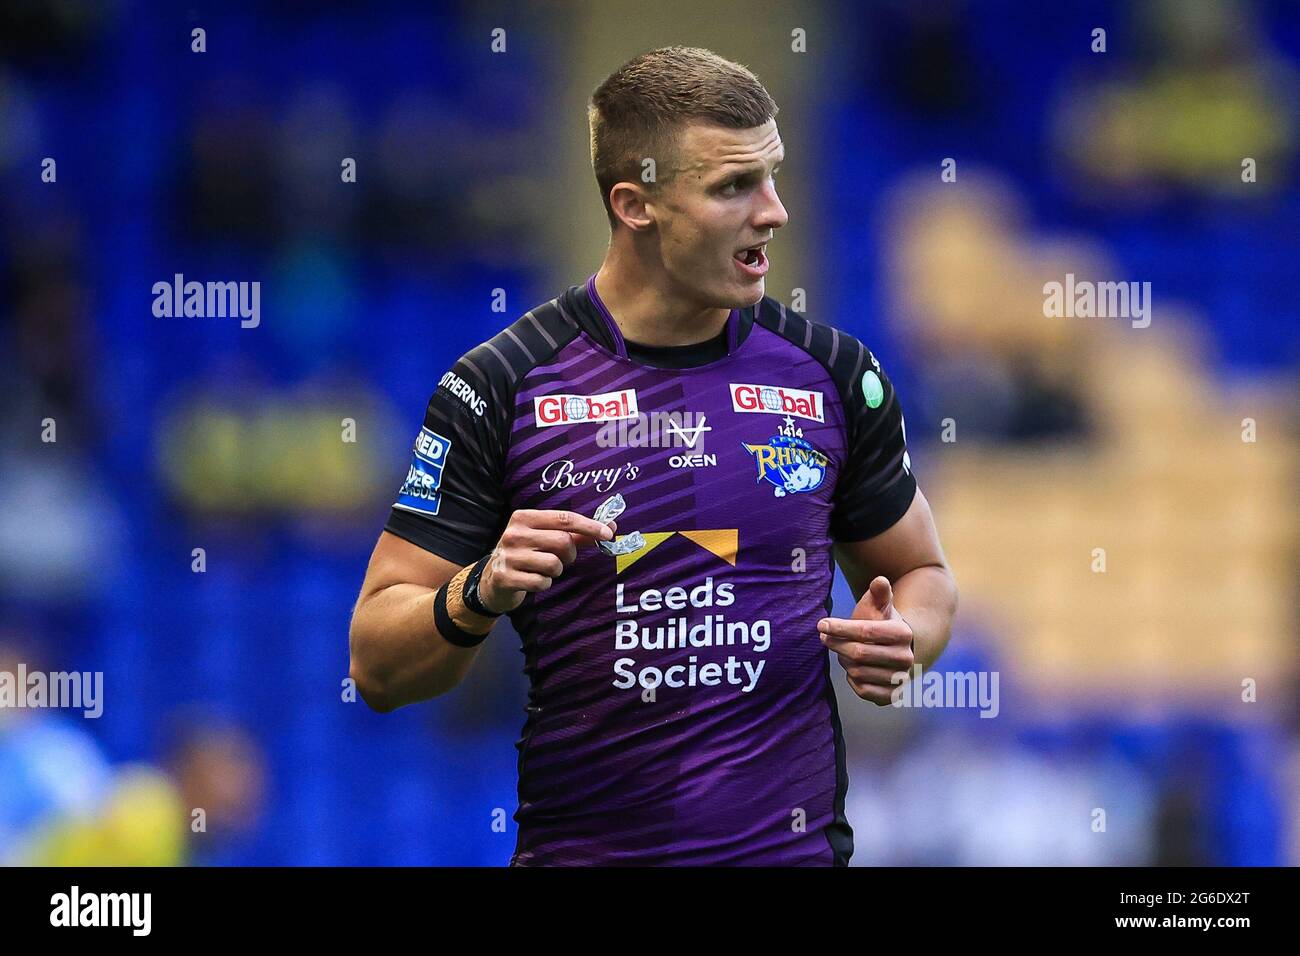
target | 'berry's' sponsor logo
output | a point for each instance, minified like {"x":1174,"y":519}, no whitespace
{"x":564,"y":474}
{"x":551,"y":410}
{"x":775,"y":400}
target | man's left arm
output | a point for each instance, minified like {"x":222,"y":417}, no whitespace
{"x":898,"y":576}
{"x":885,"y":540}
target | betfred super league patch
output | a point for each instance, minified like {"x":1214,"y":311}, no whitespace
{"x":420,"y":491}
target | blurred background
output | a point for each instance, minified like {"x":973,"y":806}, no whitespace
{"x":1162,"y":690}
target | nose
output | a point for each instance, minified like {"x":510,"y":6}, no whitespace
{"x":771,"y":214}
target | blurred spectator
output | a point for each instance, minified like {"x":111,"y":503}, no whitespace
{"x":210,"y":795}
{"x":969,"y":303}
{"x":220,"y":774}
{"x":956,"y":799}
{"x":50,"y":766}
{"x":1207,"y":90}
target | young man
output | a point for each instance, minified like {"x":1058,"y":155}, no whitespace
{"x":681,"y":709}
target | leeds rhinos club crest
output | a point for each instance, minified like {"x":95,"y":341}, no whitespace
{"x":789,"y":462}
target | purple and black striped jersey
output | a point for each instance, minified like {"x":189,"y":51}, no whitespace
{"x":680,"y":708}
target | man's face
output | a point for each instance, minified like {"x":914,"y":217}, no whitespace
{"x":718,"y":208}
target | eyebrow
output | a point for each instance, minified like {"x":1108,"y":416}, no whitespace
{"x":745,"y":171}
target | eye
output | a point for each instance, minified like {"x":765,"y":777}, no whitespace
{"x":732,"y":186}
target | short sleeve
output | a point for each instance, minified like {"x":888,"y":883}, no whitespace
{"x":452,"y":501}
{"x":875,"y":486}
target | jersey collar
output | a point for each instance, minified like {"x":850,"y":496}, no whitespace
{"x":593,"y":317}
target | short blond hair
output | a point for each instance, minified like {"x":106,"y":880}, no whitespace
{"x":640,"y":108}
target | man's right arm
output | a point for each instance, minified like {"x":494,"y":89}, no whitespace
{"x":451,"y":511}
{"x":397,"y":655}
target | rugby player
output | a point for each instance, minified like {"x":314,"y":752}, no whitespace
{"x":681,"y":709}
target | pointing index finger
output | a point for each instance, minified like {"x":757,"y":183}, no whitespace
{"x":575,"y":523}
{"x":839,"y":630}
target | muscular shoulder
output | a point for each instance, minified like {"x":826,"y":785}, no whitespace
{"x":875,"y":485}
{"x":845,"y":357}
{"x":452,"y":502}
{"x":488,"y":374}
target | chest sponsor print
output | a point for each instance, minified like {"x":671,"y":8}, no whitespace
{"x":565,"y":409}
{"x":778,"y":400}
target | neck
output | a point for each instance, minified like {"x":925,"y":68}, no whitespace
{"x":639,"y":296}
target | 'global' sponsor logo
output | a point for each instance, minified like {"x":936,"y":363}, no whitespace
{"x":773,"y":399}
{"x":551,"y":410}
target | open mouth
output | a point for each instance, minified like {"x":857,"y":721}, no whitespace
{"x":753,"y":260}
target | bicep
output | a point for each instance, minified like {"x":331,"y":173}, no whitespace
{"x":396,"y":561}
{"x":911,"y":542}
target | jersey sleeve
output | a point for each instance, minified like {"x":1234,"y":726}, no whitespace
{"x":876,"y":485}
{"x":452,"y":501}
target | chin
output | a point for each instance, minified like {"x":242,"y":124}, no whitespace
{"x":736,"y":295}
{"x":751,"y":294}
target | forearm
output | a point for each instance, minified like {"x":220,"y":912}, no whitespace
{"x":398,"y":656}
{"x":926,"y":597}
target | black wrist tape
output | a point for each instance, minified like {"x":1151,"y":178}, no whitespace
{"x":447,"y":627}
{"x":472,"y":598}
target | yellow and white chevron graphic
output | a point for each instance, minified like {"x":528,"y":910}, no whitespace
{"x":723,"y":542}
